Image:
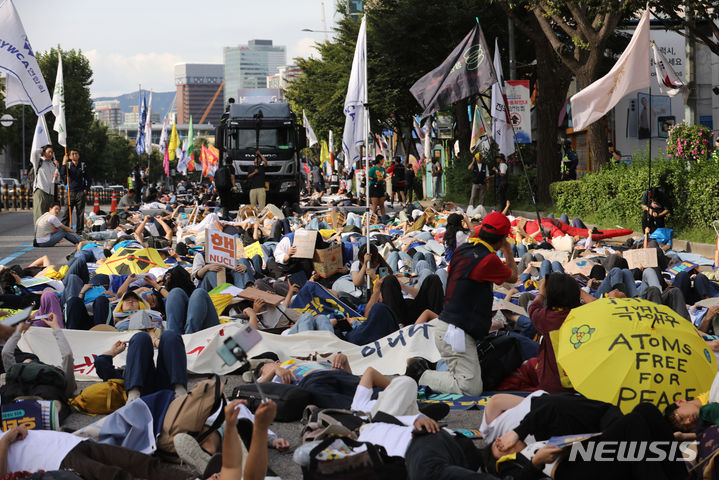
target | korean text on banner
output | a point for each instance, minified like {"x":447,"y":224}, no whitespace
{"x":220,"y":248}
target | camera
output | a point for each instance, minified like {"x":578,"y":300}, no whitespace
{"x":235,"y":347}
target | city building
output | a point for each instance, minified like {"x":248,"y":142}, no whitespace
{"x":198,"y":87}
{"x":109,"y":112}
{"x":248,"y":66}
{"x":284,"y":77}
{"x":133,"y":117}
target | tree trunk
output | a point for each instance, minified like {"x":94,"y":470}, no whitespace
{"x":596,"y":132}
{"x":553,"y":80}
{"x":463,"y":129}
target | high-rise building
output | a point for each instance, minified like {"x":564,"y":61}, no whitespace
{"x":197,"y":85}
{"x":132,"y":118}
{"x":109,"y":112}
{"x":284,"y":76}
{"x":248,"y":66}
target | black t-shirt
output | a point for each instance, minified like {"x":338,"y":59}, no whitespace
{"x":258,"y":181}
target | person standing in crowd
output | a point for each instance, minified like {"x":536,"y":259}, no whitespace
{"x":467,"y":314}
{"x":46,"y":173}
{"x":377,"y":175}
{"x":49,"y":230}
{"x":569,"y":162}
{"x":78,"y":185}
{"x":137,"y":183}
{"x":409,"y":180}
{"x":500,"y":181}
{"x":655,"y":208}
{"x":615,"y":156}
{"x":480,"y":179}
{"x":257,"y":181}
{"x":436,"y":176}
{"x":399,"y":182}
{"x":225,"y":185}
{"x":318,"y":180}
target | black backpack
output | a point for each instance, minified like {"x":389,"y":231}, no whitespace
{"x":35,"y":379}
{"x":30,"y":180}
{"x":222,"y":178}
{"x":499,"y":355}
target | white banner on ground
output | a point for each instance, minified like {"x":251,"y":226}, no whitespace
{"x":388,"y":355}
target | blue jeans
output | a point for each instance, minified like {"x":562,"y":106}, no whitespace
{"x":209,"y":281}
{"x":55,"y":237}
{"x":140,"y":370}
{"x":78,"y":266}
{"x":393,"y":261}
{"x":617,"y":275}
{"x":104,"y":235}
{"x":307,"y":322}
{"x":316,"y":224}
{"x":548,"y":267}
{"x":77,"y":318}
{"x":190,"y":315}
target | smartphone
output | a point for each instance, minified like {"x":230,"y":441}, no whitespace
{"x":236,"y":347}
{"x":382,"y":272}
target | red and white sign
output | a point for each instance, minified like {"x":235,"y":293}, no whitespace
{"x":517,"y":92}
{"x":220,"y":248}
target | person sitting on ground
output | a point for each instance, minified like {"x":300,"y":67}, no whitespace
{"x":467,"y":313}
{"x":49,"y":230}
{"x":127,"y":200}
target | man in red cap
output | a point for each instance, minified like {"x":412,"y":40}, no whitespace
{"x":467,"y":314}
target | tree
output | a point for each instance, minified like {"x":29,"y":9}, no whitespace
{"x":693,"y":19}
{"x":579,"y":32}
{"x":553,"y":80}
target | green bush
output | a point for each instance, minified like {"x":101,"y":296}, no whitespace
{"x":689,"y":142}
{"x":613,"y":195}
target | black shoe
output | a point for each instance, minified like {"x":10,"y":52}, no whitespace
{"x":34,"y":243}
{"x":213,"y":466}
{"x":435,"y":411}
{"x":416,"y":366}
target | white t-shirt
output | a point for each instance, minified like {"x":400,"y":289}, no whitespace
{"x":508,"y":420}
{"x":41,"y":450}
{"x":46,"y":225}
{"x":281,"y":250}
{"x":503,"y":168}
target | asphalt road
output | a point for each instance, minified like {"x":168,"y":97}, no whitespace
{"x":16,"y":235}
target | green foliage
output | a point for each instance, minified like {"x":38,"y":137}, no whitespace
{"x":613,"y":195}
{"x":689,"y":142}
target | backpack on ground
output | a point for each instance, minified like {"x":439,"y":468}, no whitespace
{"x":338,"y":458}
{"x":34,"y":379}
{"x":188,"y":414}
{"x":326,"y":422}
{"x":101,"y":398}
{"x":499,"y":355}
{"x":291,"y":400}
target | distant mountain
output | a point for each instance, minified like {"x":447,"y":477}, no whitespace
{"x":161,"y":101}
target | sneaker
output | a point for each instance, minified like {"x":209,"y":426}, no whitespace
{"x":190,"y":452}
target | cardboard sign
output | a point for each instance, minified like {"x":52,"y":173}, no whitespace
{"x":252,"y":293}
{"x":579,"y":267}
{"x":641,"y":258}
{"x":305,"y":243}
{"x":220,"y":248}
{"x":328,"y":261}
{"x":253,"y":249}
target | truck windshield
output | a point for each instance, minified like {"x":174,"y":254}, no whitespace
{"x":280,"y":138}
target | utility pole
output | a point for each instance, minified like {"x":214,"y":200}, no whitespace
{"x":512,"y":52}
{"x":690,"y":110}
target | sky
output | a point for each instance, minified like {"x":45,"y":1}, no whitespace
{"x":133,"y":42}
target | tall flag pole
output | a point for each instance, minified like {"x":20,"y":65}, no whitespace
{"x":148,"y":129}
{"x":191,"y":148}
{"x":58,"y":109}
{"x":142,"y":115}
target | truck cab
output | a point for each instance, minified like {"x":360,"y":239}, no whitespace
{"x":272,"y":128}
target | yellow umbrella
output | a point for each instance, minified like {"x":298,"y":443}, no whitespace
{"x":628,"y":350}
{"x":126,"y":261}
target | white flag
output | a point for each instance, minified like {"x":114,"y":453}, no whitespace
{"x":148,"y":127}
{"x":183,"y":159}
{"x":356,"y":115}
{"x":630,"y":73}
{"x":669,"y":81}
{"x":40,"y":138}
{"x":17,"y":60}
{"x":58,"y":104}
{"x":501,"y":128}
{"x":163,"y":137}
{"x":311,"y":137}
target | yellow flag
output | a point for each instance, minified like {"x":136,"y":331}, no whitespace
{"x":174,"y":142}
{"x":324,"y":153}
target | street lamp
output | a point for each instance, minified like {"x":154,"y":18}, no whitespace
{"x":7,"y":120}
